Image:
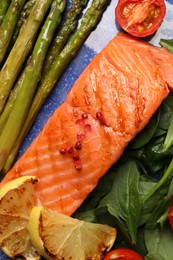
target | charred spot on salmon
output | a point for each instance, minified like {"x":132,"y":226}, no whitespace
{"x":70,"y":149}
{"x":78,"y":145}
{"x":100,"y":117}
{"x":62,"y":150}
{"x":84,"y":115}
{"x":34,"y":181}
{"x":87,"y":128}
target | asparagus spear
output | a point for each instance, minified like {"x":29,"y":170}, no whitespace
{"x":10,"y":104}
{"x":22,"y":19}
{"x":21,"y":49}
{"x":4,"y":4}
{"x":68,"y":27}
{"x":88,"y":22}
{"x":8,"y":25}
{"x":30,"y":78}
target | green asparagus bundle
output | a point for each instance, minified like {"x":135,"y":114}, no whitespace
{"x":70,"y":50}
{"x":69,"y":25}
{"x":21,"y":49}
{"x":65,"y":31}
{"x":29,"y":80}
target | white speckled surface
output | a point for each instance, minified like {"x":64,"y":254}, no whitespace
{"x":105,"y":31}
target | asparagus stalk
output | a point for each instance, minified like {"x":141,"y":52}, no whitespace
{"x":68,"y":27}
{"x":30,"y":78}
{"x":21,"y":49}
{"x":10,"y":103}
{"x":88,"y":22}
{"x":22,"y":19}
{"x":8,"y":25}
{"x":4,"y":4}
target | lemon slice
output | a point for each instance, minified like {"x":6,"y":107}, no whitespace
{"x":16,"y":202}
{"x":57,"y":236}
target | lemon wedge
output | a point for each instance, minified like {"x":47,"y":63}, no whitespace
{"x":57,"y":236}
{"x":16,"y":202}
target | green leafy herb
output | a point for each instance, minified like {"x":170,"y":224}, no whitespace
{"x":168,"y":44}
{"x":123,"y":201}
{"x":145,"y":136}
{"x":169,"y":137}
{"x":159,"y":244}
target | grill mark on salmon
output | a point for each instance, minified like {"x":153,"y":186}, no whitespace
{"x":126,"y":83}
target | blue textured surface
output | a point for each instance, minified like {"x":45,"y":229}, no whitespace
{"x":105,"y":31}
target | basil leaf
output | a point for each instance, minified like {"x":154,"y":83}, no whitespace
{"x":166,"y":178}
{"x":168,"y":44}
{"x":159,"y":243}
{"x":102,"y":189}
{"x":166,"y":112}
{"x":155,"y":202}
{"x":169,"y":138}
{"x":145,"y":136}
{"x":123,"y":201}
{"x":145,"y":187}
{"x":88,"y":216}
{"x":153,"y":156}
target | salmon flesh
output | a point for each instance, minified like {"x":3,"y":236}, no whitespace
{"x":109,"y":104}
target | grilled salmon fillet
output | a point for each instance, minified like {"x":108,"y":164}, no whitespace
{"x":109,"y":104}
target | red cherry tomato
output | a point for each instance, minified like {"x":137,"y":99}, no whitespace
{"x":123,"y":254}
{"x":170,"y":216}
{"x":140,"y":18}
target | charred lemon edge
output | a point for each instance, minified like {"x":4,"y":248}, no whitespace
{"x":34,"y":231}
{"x":33,"y":228}
{"x":14,"y":184}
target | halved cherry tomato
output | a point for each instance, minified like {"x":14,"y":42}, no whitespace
{"x":123,"y":254}
{"x":140,"y":18}
{"x":170,"y":216}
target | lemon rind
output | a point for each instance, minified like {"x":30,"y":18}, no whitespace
{"x":13,"y":184}
{"x":33,"y":228}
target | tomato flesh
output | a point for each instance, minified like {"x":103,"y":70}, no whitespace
{"x":140,"y":17}
{"x":123,"y":254}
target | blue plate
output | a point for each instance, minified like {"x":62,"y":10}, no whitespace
{"x":104,"y":32}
